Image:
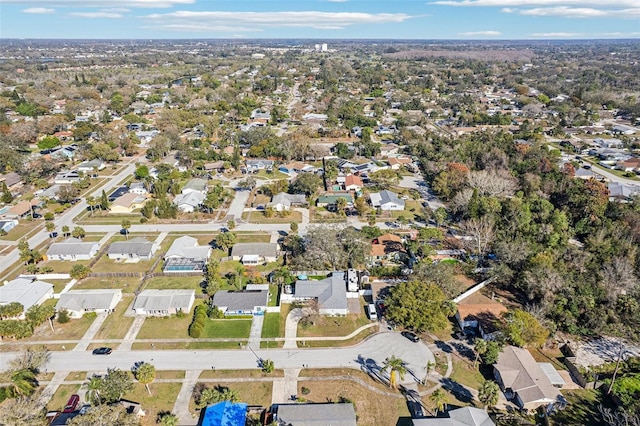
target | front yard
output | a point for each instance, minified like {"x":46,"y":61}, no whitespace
{"x":260,"y":217}
{"x":332,"y":326}
{"x":173,"y":327}
{"x":227,"y":329}
{"x":116,"y":325}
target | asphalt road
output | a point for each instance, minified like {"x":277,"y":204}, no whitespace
{"x":371,"y":352}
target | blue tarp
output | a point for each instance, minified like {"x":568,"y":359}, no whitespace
{"x":225,"y":413}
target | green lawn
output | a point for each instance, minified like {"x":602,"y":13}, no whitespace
{"x":333,"y":326}
{"x":271,"y":327}
{"x":23,"y":229}
{"x":227,"y":328}
{"x":163,"y":397}
{"x":465,"y":374}
{"x":73,"y":330}
{"x":582,"y":408}
{"x":126,"y":284}
{"x":253,"y":393}
{"x":171,"y":327}
{"x":61,"y":396}
{"x":259,"y":217}
{"x":258,"y":237}
{"x":62,"y":267}
{"x":143,"y":346}
{"x":273,"y":295}
{"x":176,"y":282}
{"x":58,"y":285}
{"x":116,"y":325}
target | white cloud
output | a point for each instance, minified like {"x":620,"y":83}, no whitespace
{"x":557,"y":35}
{"x":116,"y":10}
{"x":38,"y":10}
{"x":549,"y":3}
{"x":258,"y":20}
{"x":481,"y":33}
{"x":109,"y":15}
{"x":103,"y":4}
{"x":577,"y":12}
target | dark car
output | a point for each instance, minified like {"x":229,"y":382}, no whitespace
{"x":37,"y":215}
{"x":411,"y":336}
{"x":102,"y":351}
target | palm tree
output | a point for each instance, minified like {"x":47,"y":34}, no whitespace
{"x":126,"y":224}
{"x":396,"y":368}
{"x":430,"y":366}
{"x":91,"y":202}
{"x":94,"y":386}
{"x":23,"y":382}
{"x":488,"y":393}
{"x":341,"y":204}
{"x":438,"y":397}
{"x":145,"y":374}
{"x":480,"y":347}
{"x":65,"y":230}
{"x":168,"y":419}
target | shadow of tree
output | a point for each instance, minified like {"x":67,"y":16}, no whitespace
{"x":459,"y":391}
{"x":443,"y":346}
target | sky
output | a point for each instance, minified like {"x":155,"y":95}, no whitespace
{"x":320,"y":19}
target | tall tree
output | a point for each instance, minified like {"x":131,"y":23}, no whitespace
{"x":126,"y":225}
{"x":145,"y":373}
{"x":488,"y":393}
{"x":419,"y":306}
{"x":104,"y":201}
{"x":439,"y":400}
{"x":396,"y":369}
{"x":479,"y":347}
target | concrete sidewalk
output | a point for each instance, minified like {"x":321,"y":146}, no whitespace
{"x":130,"y":337}
{"x":181,"y":407}
{"x":255,"y":334}
{"x":90,"y":333}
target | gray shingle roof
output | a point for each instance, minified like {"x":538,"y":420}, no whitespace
{"x":288,"y":199}
{"x":191,"y":199}
{"x":160,"y":300}
{"x":260,"y":249}
{"x":331,"y":292}
{"x":77,"y":300}
{"x":71,"y":247}
{"x":138,"y":246}
{"x":195,"y":184}
{"x":241,"y":300}
{"x":465,"y":416}
{"x":342,"y":414}
{"x":187,"y":247}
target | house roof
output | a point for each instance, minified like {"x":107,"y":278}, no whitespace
{"x":465,"y":416}
{"x":195,"y":184}
{"x":521,"y":373}
{"x":95,"y":163}
{"x":288,"y":199}
{"x":161,"y":300}
{"x":341,"y":414}
{"x":260,"y":249}
{"x":24,"y":291}
{"x":11,"y":178}
{"x":128,"y":199}
{"x":399,"y":160}
{"x":187,"y":247}
{"x":331,"y":292}
{"x":332,"y":198}
{"x":138,"y":246}
{"x":193,"y":199}
{"x":350,"y":180}
{"x":71,"y":247}
{"x":245,"y":300}
{"x":78,"y":300}
{"x":21,"y":208}
{"x":385,"y":197}
{"x":617,"y":189}
{"x":389,"y":238}
{"x":225,"y":413}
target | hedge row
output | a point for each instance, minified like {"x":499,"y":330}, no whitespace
{"x":199,"y":321}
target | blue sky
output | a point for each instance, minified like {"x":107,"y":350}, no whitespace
{"x":321,"y":19}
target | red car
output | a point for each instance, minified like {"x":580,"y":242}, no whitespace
{"x":72,"y":403}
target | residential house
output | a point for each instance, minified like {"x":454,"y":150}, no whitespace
{"x":630,"y":165}
{"x":79,"y":302}
{"x":283,"y":201}
{"x":439,"y":255}
{"x":386,"y":201}
{"x":27,"y":292}
{"x":195,"y":185}
{"x":136,"y":248}
{"x":259,"y":164}
{"x":217,"y":166}
{"x":224,"y":413}
{"x":329,"y":200}
{"x":397,"y":162}
{"x":387,"y":150}
{"x":608,"y":143}
{"x":353,"y":183}
{"x":245,"y":302}
{"x":623,"y":192}
{"x":185,"y":255}
{"x":72,"y":249}
{"x":67,"y":177}
{"x":387,"y":248}
{"x":91,"y":166}
{"x":22,"y":209}
{"x":163,"y":302}
{"x":11,"y":179}
{"x":7,"y":225}
{"x":65,"y":153}
{"x":330,"y":293}
{"x":523,"y":380}
{"x":127,"y":203}
{"x":254,"y":253}
{"x":483,"y":317}
{"x":334,"y":414}
{"x":118,"y":192}
{"x":189,"y":202}
{"x":138,"y":188}
{"x":365,"y":168}
{"x":585,"y":174}
{"x":464,"y":416}
{"x":296,"y":167}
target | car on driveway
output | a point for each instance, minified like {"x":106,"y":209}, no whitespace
{"x":102,"y":351}
{"x":411,"y":336}
{"x":71,"y":404}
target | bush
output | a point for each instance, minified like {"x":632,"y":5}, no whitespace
{"x":143,"y":220}
{"x":305,"y":391}
{"x":63,"y":316}
{"x":215,"y":313}
{"x":3,"y":394}
{"x":90,"y":315}
{"x":199,"y":321}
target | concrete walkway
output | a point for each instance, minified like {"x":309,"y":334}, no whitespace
{"x":90,"y":333}
{"x":130,"y":337}
{"x":255,"y":334}
{"x":291,"y":328}
{"x":106,"y":238}
{"x":69,"y":286}
{"x":161,"y":238}
{"x":285,"y":387}
{"x":181,"y":407}
{"x":51,"y":388}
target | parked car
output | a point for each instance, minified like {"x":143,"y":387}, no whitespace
{"x":411,"y":336}
{"x":102,"y":351}
{"x":71,"y":404}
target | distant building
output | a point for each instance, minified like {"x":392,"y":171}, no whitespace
{"x":386,"y":201}
{"x":27,"y":292}
{"x":335,"y":414}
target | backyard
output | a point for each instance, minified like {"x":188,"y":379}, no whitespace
{"x":176,"y":282}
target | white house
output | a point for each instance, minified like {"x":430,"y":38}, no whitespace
{"x":79,"y":302}
{"x":163,"y":302}
{"x":72,"y":249}
{"x":195,"y":185}
{"x":283,"y":201}
{"x":189,"y":202}
{"x":246,"y":302}
{"x":386,"y":200}
{"x":7,"y":225}
{"x":185,"y":255}
{"x":331,"y":293}
{"x":91,"y":166}
{"x":136,"y":248}
{"x":27,"y":292}
{"x":254,"y":253}
{"x":67,"y":177}
{"x":138,"y":188}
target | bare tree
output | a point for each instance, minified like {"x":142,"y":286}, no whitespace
{"x":618,"y":277}
{"x":492,"y":183}
{"x":482,"y":231}
{"x":618,"y":417}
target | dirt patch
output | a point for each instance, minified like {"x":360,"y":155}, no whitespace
{"x":601,"y":350}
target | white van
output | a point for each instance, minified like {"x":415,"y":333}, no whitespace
{"x":373,"y":315}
